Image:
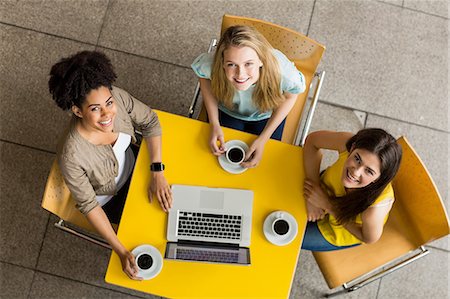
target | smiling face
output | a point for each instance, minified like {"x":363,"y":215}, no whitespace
{"x":360,"y":169}
{"x":98,"y":111}
{"x":241,"y":66}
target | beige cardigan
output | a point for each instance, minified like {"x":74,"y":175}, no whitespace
{"x":89,"y":169}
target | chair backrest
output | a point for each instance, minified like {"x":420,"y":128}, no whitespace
{"x":417,"y":218}
{"x":57,"y":200}
{"x":303,"y":51}
{"x":419,"y":198}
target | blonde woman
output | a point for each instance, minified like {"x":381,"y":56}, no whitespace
{"x":249,"y":86}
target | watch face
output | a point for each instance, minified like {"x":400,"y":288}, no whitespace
{"x":157,"y":167}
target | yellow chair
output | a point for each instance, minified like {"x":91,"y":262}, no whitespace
{"x":306,"y":55}
{"x":417,"y":218}
{"x":57,"y":200}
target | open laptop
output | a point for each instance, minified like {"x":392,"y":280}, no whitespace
{"x":210,"y":225}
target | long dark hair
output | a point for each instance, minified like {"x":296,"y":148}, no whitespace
{"x":382,"y":144}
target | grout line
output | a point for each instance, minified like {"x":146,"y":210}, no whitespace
{"x":49,"y":34}
{"x":379,"y":288}
{"x":425,"y":13}
{"x":384,"y":2}
{"x":103,"y":23}
{"x":365,"y":120}
{"x":437,"y":248}
{"x":31,"y":284}
{"x":28,"y":146}
{"x":384,"y":116}
{"x":142,"y":56}
{"x":37,"y":259}
{"x":310,"y":18}
{"x":70,"y":279}
{"x":412,"y":9}
{"x":94,"y":45}
{"x":42,"y":242}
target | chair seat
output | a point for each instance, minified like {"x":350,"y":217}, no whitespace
{"x":57,"y":200}
{"x":342,"y":266}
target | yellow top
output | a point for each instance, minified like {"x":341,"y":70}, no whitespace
{"x":333,"y":232}
{"x":189,"y":161}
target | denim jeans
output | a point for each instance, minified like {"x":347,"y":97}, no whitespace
{"x":314,"y":241}
{"x":253,"y":127}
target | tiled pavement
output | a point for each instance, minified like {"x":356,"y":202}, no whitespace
{"x":388,"y":60}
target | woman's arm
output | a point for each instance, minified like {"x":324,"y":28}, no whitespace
{"x":312,"y":150}
{"x":158,"y":184}
{"x":147,"y":121}
{"x":212,"y":109}
{"x":317,"y":201}
{"x":100,"y":222}
{"x":372,"y":223}
{"x":254,"y":154}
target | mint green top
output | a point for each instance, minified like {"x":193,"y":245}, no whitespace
{"x":292,"y":81}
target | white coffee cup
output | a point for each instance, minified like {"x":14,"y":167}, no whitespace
{"x":145,"y":261}
{"x":280,"y":225}
{"x":235,"y":154}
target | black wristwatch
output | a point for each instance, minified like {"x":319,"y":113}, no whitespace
{"x":157,"y":167}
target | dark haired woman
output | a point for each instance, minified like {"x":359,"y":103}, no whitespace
{"x":95,"y":154}
{"x":349,"y":202}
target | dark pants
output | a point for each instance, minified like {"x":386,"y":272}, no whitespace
{"x":114,"y":207}
{"x":253,"y":127}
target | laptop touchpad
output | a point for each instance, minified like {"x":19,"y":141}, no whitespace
{"x":211,"y":199}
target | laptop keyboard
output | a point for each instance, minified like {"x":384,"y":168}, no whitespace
{"x":207,"y":255}
{"x":209,"y":225}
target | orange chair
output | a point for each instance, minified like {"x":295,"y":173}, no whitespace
{"x":57,"y":200}
{"x":418,"y":217}
{"x":306,"y":55}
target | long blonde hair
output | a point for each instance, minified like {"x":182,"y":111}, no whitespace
{"x":267,"y":94}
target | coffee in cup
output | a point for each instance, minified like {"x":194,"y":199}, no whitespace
{"x":280,"y":227}
{"x":235,"y":154}
{"x":144,"y":261}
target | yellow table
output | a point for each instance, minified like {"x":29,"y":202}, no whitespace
{"x":276,"y":183}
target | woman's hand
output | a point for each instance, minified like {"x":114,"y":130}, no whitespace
{"x":315,"y":195}
{"x":314,"y":213}
{"x":159,"y":187}
{"x":217,"y":136}
{"x":129,"y":265}
{"x":254,"y":154}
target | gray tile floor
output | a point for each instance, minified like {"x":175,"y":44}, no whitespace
{"x":387,"y":66}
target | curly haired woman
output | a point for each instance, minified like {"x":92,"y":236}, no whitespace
{"x":96,"y":154}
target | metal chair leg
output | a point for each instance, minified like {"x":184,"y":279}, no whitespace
{"x":82,"y":234}
{"x":358,"y":283}
{"x":300,"y":138}
{"x":212,"y":44}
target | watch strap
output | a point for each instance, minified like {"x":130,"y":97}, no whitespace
{"x":157,"y":167}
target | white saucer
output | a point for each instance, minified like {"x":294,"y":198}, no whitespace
{"x":227,"y":166}
{"x":277,"y":239}
{"x":157,"y":261}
